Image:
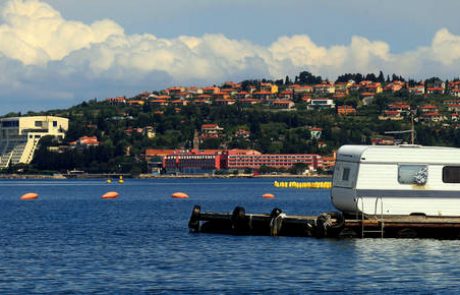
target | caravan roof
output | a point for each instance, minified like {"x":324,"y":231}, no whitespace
{"x":399,"y":154}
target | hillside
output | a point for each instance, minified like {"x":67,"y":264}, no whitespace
{"x":271,"y":117}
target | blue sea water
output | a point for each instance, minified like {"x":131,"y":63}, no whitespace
{"x":70,"y":241}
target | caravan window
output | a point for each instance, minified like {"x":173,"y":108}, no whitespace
{"x":451,"y":174}
{"x":346,"y":174}
{"x":413,"y":174}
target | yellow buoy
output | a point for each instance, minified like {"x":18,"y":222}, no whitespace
{"x":120,"y":181}
{"x":29,"y":196}
{"x":109,"y":180}
{"x":179,"y":195}
{"x":268,"y":196}
{"x":110,"y":195}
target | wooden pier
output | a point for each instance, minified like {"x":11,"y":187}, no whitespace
{"x":330,"y":224}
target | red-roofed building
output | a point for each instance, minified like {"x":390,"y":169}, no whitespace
{"x":159,"y":102}
{"x":454,"y":107}
{"x":210,"y":131}
{"x":345,"y":110}
{"x":383,"y":140}
{"x":193,"y":161}
{"x":399,"y":106}
{"x":136,"y":102}
{"x":417,"y":89}
{"x":116,"y":100}
{"x":262,"y":95}
{"x":324,"y":89}
{"x":176,"y":90}
{"x":85,"y":142}
{"x":435,"y":90}
{"x":225,"y":101}
{"x":247,"y":102}
{"x":428,"y":108}
{"x":211,"y":90}
{"x":255,"y":161}
{"x":179,"y":102}
{"x":272,"y":88}
{"x":394,"y":115}
{"x":430,"y":113}
{"x":455,"y":92}
{"x":434,"y":116}
{"x":301,"y":89}
{"x":283,"y":104}
{"x":394,"y":86}
{"x":341,"y":89}
{"x":286,"y":94}
{"x":368,"y":88}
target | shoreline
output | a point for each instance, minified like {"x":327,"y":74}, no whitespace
{"x":149,"y":176}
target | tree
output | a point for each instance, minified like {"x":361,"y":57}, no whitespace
{"x":298,"y":168}
{"x":287,"y":81}
{"x":381,"y":77}
{"x":307,"y":78}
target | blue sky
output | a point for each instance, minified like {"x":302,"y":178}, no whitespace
{"x":403,"y":24}
{"x":60,"y":52}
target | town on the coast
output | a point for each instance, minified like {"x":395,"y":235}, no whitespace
{"x":253,"y":127}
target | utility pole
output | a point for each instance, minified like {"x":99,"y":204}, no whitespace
{"x":412,"y":133}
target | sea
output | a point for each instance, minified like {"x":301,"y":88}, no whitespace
{"x":70,"y":241}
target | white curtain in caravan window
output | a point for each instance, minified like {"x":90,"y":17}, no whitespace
{"x":412,"y":174}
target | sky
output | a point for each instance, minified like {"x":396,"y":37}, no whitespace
{"x":58,"y":53}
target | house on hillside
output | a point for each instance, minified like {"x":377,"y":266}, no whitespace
{"x":315,"y":132}
{"x":324,"y":88}
{"x":85,"y":142}
{"x":394,"y":86}
{"x":345,"y":110}
{"x":269,"y":87}
{"x":430,"y":113}
{"x":417,"y":89}
{"x":209,"y":131}
{"x":247,"y":102}
{"x":120,"y":100}
{"x":321,"y":104}
{"x":283,"y":104}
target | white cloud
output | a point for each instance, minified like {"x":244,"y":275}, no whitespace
{"x":39,"y":47}
{"x":34,"y":33}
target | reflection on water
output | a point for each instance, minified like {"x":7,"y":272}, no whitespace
{"x":72,"y":241}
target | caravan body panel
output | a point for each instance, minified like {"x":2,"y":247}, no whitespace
{"x":397,"y":180}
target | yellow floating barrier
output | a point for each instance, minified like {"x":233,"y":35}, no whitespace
{"x":303,"y":185}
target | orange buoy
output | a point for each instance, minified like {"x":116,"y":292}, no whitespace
{"x":268,"y":196}
{"x":179,"y":195}
{"x":29,"y":196}
{"x":110,"y":195}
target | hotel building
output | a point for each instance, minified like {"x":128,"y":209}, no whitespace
{"x":19,"y":136}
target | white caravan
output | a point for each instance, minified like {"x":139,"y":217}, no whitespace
{"x":397,"y":180}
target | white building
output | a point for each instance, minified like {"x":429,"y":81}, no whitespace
{"x":321,"y":104}
{"x":19,"y":136}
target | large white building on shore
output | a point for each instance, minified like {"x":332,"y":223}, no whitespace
{"x":19,"y":136}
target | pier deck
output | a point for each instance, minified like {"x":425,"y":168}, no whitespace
{"x":331,"y":224}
